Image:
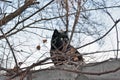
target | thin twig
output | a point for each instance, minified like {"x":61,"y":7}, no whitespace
{"x":117,"y":35}
{"x":67,"y":14}
{"x":76,"y":19}
{"x":6,"y":1}
{"x":116,"y":22}
{"x":24,"y":73}
{"x":10,"y":47}
{"x":89,"y":53}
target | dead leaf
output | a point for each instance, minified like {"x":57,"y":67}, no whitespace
{"x":38,"y":47}
{"x":45,"y":40}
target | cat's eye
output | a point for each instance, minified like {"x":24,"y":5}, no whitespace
{"x":61,"y":38}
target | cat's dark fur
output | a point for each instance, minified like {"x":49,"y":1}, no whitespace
{"x":61,"y":51}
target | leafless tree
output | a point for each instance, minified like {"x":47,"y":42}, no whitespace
{"x":26,"y":28}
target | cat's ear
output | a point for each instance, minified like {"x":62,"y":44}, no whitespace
{"x":65,"y":33}
{"x":55,"y":32}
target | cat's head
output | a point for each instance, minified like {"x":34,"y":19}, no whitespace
{"x":58,"y":38}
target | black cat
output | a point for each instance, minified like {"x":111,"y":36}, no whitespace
{"x":61,"y":51}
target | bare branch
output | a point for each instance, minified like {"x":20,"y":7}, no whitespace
{"x":76,"y":18}
{"x":116,"y":22}
{"x":67,"y":14}
{"x":6,"y":1}
{"x":10,"y":48}
{"x":16,"y":13}
{"x":105,"y":51}
{"x":87,"y":73}
{"x":117,"y":34}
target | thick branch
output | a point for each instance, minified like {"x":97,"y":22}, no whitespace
{"x":11,"y":16}
{"x":4,"y":69}
{"x":30,"y":67}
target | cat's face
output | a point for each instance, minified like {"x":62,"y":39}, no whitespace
{"x":58,"y":39}
{"x":62,"y":36}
